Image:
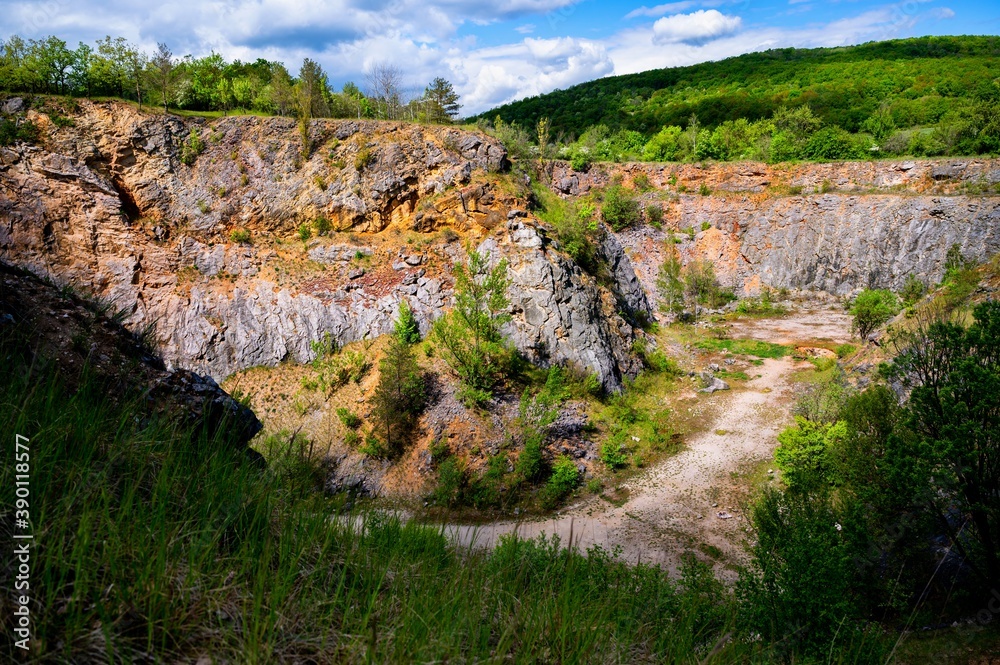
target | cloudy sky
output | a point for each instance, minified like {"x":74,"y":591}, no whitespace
{"x":494,"y":51}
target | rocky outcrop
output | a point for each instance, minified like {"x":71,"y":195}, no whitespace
{"x":559,"y":314}
{"x":828,"y":227}
{"x":71,"y":332}
{"x":211,"y":252}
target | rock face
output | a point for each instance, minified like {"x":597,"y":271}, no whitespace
{"x":828,"y":227}
{"x":211,"y":253}
{"x":560,"y":316}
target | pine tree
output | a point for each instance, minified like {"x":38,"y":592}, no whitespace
{"x":407,"y":329}
{"x":442,"y":101}
{"x":399,"y":397}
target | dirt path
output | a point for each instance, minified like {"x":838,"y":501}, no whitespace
{"x":693,"y":501}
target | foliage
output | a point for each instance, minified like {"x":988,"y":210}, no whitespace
{"x":804,"y":450}
{"x":350,"y":419}
{"x":913,"y":290}
{"x":654,"y":215}
{"x":575,"y":225}
{"x":669,"y":284}
{"x":564,"y":479}
{"x":12,"y":131}
{"x":620,"y":208}
{"x":406,"y":328}
{"x":954,"y":377}
{"x":305,"y":232}
{"x":762,"y":305}
{"x":399,"y":396}
{"x":750,"y":347}
{"x":470,"y":336}
{"x":191,"y":148}
{"x":240,"y":236}
{"x":871,"y":308}
{"x":322,"y":225}
{"x":441,"y":101}
{"x":787,"y":104}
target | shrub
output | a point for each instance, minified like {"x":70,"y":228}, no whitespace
{"x":845,"y":350}
{"x":913,"y":290}
{"x":305,"y":232}
{"x":193,"y":147}
{"x":564,"y":479}
{"x":804,"y":453}
{"x":613,"y":454}
{"x":871,"y":309}
{"x":12,"y":131}
{"x":641,"y":183}
{"x":322,"y":225}
{"x":620,"y":208}
{"x":364,"y":157}
{"x":704,"y":189}
{"x":240,"y":236}
{"x":350,"y":419}
{"x":451,"y":484}
{"x":654,"y":215}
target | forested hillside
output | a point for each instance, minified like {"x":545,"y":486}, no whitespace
{"x":923,"y":96}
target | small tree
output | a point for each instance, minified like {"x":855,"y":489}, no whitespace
{"x":871,"y":309}
{"x":701,"y":285}
{"x":399,"y":397}
{"x":621,"y":208}
{"x":470,"y":336}
{"x":407,"y":329}
{"x":669,"y":283}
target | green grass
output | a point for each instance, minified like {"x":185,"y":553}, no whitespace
{"x":155,"y":539}
{"x":747,"y":347}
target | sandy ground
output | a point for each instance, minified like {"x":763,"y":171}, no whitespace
{"x":694,"y":501}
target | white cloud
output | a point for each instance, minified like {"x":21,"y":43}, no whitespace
{"x":525,"y":29}
{"x":661,"y":10}
{"x":698,"y":26}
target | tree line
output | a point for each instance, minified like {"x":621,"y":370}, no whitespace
{"x":921,"y":97}
{"x":114,"y":67}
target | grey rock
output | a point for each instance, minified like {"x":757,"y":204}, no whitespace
{"x":413,"y":260}
{"x":356,"y":273}
{"x":13,"y":105}
{"x":714,"y":384}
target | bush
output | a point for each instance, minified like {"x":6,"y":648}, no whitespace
{"x":620,"y":208}
{"x":845,"y":350}
{"x":322,"y":225}
{"x":11,"y":132}
{"x":350,"y":419}
{"x":805,"y":453}
{"x":564,"y":479}
{"x":305,"y":232}
{"x":240,"y":236}
{"x":451,"y":483}
{"x":913,"y":290}
{"x":193,"y":147}
{"x":654,"y":215}
{"x":613,"y":454}
{"x":871,"y":309}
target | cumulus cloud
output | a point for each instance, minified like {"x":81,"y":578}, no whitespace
{"x":699,"y":26}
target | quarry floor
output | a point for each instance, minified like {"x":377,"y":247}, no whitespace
{"x":696,"y":501}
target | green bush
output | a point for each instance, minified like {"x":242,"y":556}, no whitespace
{"x":350,"y":419}
{"x":913,"y":290}
{"x":240,"y":236}
{"x":620,"y":208}
{"x":469,"y":336}
{"x":845,"y":350}
{"x":12,"y":131}
{"x":399,"y":397}
{"x":564,"y":479}
{"x":804,"y":453}
{"x":305,"y":232}
{"x":654,"y":215}
{"x":193,"y":147}
{"x":871,"y":309}
{"x":322,"y":225}
{"x":613,"y":454}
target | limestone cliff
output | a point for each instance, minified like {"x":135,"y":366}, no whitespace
{"x":207,"y":246}
{"x":829,"y":227}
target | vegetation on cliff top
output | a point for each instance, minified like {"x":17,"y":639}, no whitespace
{"x":922,"y":96}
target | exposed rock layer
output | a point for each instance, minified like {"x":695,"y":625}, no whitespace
{"x":211,"y":254}
{"x":830,"y":227}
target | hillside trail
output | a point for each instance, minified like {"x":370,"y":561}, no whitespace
{"x":694,"y":501}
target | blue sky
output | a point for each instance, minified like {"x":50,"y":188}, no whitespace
{"x":494,"y":51}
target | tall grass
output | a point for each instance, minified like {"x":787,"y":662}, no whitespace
{"x":157,"y":543}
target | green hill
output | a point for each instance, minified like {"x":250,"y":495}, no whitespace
{"x":883,"y":89}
